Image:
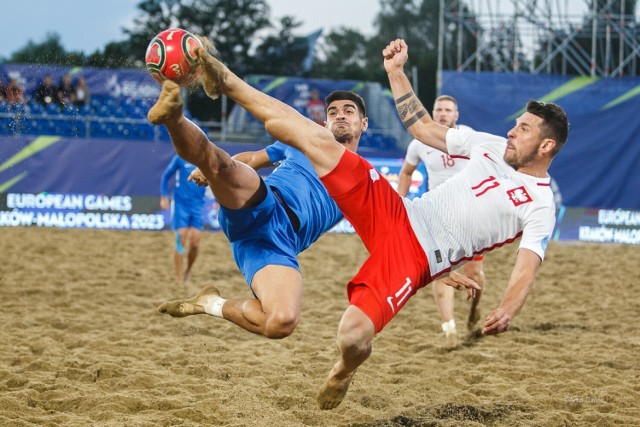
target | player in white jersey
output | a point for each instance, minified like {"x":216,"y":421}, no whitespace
{"x":440,"y":167}
{"x":503,"y":194}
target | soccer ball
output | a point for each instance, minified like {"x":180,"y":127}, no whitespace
{"x":171,"y":55}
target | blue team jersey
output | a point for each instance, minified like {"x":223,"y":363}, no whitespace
{"x":297,"y":183}
{"x":185,"y":192}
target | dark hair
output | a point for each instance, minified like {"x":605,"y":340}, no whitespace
{"x":341,"y":95}
{"x":554,"y":122}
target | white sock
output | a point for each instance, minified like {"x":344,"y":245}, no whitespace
{"x":213,"y":306}
{"x":449,"y":326}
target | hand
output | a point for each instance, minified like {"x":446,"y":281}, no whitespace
{"x":395,"y":55}
{"x":496,"y":322}
{"x":164,"y":203}
{"x":197,"y":177}
{"x":458,"y":281}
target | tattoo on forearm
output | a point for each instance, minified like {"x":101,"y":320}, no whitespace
{"x":409,"y":108}
{"x":404,"y":98}
{"x":415,"y":118}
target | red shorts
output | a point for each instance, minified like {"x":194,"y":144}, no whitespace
{"x":397,"y":265}
{"x":478,"y":258}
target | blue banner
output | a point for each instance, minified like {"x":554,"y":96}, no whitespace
{"x":600,"y":164}
{"x":102,"y":82}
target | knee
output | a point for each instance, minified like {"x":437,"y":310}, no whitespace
{"x":354,"y":341}
{"x":281,"y":324}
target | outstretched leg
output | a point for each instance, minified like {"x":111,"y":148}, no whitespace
{"x":355,"y":335}
{"x":283,"y":122}
{"x":234,"y":184}
{"x":274,"y":314}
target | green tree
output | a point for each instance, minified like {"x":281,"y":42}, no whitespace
{"x":344,"y":54}
{"x":281,"y":53}
{"x":347,"y":54}
{"x":50,"y":52}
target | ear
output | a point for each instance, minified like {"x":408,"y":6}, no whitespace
{"x":547,"y":145}
{"x":365,"y":124}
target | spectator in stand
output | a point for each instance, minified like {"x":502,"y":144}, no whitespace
{"x":14,"y":93}
{"x":315,"y":108}
{"x":46,"y":92}
{"x":66,"y":93}
{"x":82,"y":92}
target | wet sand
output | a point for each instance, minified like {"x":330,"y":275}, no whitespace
{"x":83,"y":343}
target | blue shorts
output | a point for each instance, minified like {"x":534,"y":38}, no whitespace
{"x":260,"y":236}
{"x":183,"y":216}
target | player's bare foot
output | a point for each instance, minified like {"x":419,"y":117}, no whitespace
{"x":188,"y":307}
{"x":333,"y":391}
{"x":451,"y":339}
{"x":169,"y":104}
{"x":213,"y":71}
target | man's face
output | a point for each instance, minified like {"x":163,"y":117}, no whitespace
{"x":344,"y":121}
{"x":445,"y":112}
{"x":524,"y":141}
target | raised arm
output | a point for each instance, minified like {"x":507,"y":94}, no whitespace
{"x":412,"y":113}
{"x":520,"y":283}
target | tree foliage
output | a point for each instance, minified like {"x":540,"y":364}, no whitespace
{"x":49,"y":51}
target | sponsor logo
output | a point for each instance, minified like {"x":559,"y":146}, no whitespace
{"x":374,"y":175}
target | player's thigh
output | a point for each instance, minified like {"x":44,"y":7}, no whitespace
{"x":279,"y":289}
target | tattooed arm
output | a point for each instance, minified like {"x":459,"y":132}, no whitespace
{"x":412,"y":113}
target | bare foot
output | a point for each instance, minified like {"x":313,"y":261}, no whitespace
{"x":188,"y":307}
{"x":213,"y":75}
{"x":333,"y":391}
{"x":451,"y":339}
{"x":169,"y":104}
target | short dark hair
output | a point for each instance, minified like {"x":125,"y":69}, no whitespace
{"x":341,"y":95}
{"x":555,"y":124}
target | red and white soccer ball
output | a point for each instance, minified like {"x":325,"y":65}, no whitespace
{"x":171,"y":55}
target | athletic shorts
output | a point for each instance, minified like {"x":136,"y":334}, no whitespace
{"x":260,"y":236}
{"x":184,"y":216}
{"x":397,"y":265}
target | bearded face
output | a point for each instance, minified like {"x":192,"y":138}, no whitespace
{"x":524,"y":141}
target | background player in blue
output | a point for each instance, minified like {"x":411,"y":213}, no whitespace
{"x":268,"y":222}
{"x":186,"y":213}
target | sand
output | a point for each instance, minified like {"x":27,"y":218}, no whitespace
{"x":83,"y":343}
